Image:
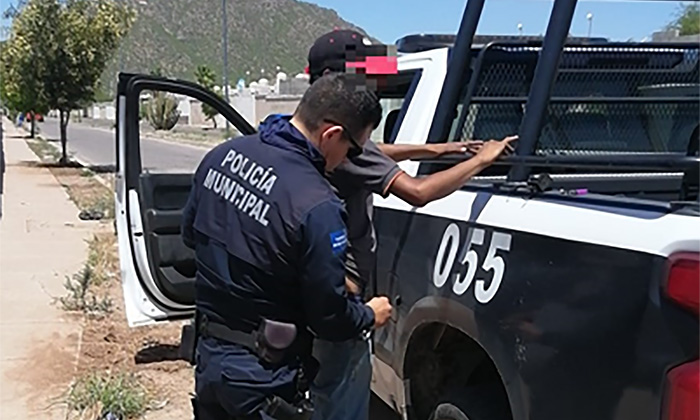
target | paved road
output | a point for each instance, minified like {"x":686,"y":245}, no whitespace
{"x":96,"y":146}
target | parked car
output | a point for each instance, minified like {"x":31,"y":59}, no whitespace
{"x":30,"y":115}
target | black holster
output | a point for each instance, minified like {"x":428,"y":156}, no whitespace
{"x":274,"y":342}
{"x":280,"y":409}
{"x":189,"y":336}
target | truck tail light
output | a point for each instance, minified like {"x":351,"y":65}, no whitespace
{"x":683,"y":284}
{"x":682,"y":401}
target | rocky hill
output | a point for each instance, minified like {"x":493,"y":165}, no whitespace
{"x":178,"y":35}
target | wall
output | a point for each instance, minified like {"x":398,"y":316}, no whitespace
{"x":253,"y":109}
{"x":244,"y":103}
{"x":283,"y":104}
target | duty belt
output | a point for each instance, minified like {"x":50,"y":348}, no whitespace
{"x":273,"y":342}
{"x":222,"y":332}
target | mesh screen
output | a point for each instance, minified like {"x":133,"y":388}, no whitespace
{"x":574,"y":121}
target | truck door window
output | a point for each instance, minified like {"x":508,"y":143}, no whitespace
{"x":176,"y":131}
{"x":394,"y":95}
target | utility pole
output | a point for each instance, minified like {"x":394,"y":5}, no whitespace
{"x":225,"y":47}
{"x":121,"y":53}
{"x":120,"y":50}
{"x":589,"y":16}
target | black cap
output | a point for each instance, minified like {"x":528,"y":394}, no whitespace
{"x":333,"y":50}
{"x":346,"y":50}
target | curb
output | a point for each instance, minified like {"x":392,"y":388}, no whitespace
{"x":78,"y":160}
{"x":206,"y":146}
{"x":81,"y":162}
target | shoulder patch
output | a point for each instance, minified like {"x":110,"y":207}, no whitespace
{"x":339,"y":241}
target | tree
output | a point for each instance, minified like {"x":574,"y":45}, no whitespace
{"x":22,"y":60}
{"x":13,"y":9}
{"x":58,"y":50}
{"x":688,"y":20}
{"x":207,"y":79}
{"x":87,"y":35}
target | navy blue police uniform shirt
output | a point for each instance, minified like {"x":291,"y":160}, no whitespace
{"x":270,"y":240}
{"x":354,"y":182}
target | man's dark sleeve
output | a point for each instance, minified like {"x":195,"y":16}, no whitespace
{"x":372,"y":170}
{"x":328,"y":311}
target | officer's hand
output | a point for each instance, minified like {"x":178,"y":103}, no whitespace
{"x":382,"y":310}
{"x":492,"y":149}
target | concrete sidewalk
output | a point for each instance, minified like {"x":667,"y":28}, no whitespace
{"x":41,"y":241}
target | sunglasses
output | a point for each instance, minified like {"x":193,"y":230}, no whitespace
{"x":354,"y":151}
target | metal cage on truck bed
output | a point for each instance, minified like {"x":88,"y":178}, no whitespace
{"x":578,"y":107}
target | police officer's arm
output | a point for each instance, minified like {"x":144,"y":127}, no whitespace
{"x":328,"y":311}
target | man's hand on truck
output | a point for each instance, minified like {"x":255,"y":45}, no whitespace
{"x":493,"y":149}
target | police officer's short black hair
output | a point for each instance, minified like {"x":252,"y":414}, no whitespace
{"x":341,"y":98}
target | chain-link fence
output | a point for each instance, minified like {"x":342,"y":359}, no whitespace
{"x":605,"y":99}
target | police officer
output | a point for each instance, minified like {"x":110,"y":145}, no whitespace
{"x":269,"y":239}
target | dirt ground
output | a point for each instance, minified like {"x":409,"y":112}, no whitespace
{"x":150,"y":352}
{"x":107,"y":343}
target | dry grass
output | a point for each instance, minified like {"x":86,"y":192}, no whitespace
{"x":99,"y":395}
{"x":99,"y":268}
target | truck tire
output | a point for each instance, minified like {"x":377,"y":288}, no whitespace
{"x":447,"y":411}
{"x":482,"y":402}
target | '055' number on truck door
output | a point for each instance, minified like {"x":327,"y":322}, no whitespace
{"x":469,"y":258}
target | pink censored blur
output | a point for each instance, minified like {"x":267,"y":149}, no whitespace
{"x":376,"y":65}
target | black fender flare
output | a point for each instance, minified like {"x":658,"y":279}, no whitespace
{"x":437,"y":309}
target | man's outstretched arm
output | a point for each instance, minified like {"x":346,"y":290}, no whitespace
{"x":421,"y":191}
{"x":401,"y":152}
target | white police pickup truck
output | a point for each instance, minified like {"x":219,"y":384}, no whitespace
{"x":562,"y":283}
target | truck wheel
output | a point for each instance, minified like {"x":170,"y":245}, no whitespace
{"x":448,"y":411}
{"x":481,"y":402}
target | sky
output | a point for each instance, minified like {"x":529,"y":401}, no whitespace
{"x":388,"y":20}
{"x":617,"y":20}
